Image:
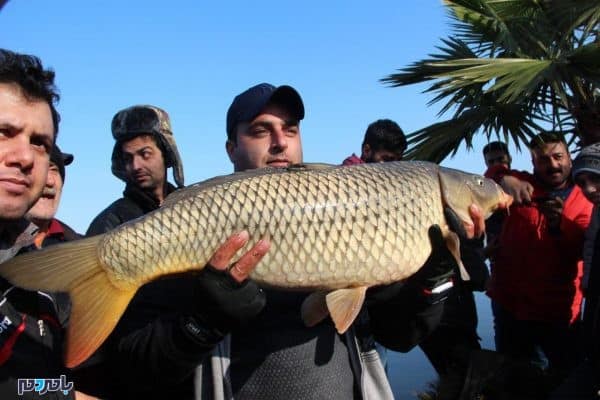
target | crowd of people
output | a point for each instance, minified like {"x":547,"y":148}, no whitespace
{"x":216,"y":334}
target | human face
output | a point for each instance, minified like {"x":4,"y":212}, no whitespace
{"x":376,"y":156}
{"x":45,"y":208}
{"x":590,"y":186}
{"x":272,"y":139}
{"x":552,"y":165}
{"x":26,"y":139}
{"x":145,"y":165}
{"x":497,"y":157}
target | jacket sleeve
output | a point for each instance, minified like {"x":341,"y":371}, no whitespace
{"x":152,"y":344}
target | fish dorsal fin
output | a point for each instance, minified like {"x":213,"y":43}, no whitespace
{"x":310,"y":167}
{"x":314,"y":308}
{"x":191,"y":190}
{"x":344,"y":306}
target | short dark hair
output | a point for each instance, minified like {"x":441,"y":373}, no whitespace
{"x":546,"y":137}
{"x":385,"y":134}
{"x":495,"y":146}
{"x":36,"y":83}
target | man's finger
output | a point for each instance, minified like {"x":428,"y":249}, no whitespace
{"x":246,"y":264}
{"x":222,"y":257}
{"x":478,"y":221}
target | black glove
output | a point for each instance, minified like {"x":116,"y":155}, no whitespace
{"x":431,"y":283}
{"x":223,"y":304}
{"x":435,"y":278}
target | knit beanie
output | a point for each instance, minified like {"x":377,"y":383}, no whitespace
{"x":587,"y":160}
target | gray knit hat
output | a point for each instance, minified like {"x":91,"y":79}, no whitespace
{"x":145,"y":120}
{"x":588,"y":160}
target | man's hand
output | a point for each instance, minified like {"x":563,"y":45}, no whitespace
{"x":226,"y":297}
{"x":466,"y":229}
{"x":552,"y":209}
{"x":521,"y":191}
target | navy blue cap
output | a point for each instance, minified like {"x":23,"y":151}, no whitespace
{"x":247,"y":105}
{"x":60,"y":159}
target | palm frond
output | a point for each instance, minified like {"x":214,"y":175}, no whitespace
{"x":509,"y":68}
{"x":421,"y":72}
{"x":513,"y":78}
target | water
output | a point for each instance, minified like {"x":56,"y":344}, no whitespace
{"x":411,"y":372}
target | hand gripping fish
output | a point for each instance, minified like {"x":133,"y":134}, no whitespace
{"x":335,"y":230}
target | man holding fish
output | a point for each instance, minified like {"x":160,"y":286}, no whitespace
{"x":269,"y":352}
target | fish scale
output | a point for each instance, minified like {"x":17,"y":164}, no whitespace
{"x":363,"y":225}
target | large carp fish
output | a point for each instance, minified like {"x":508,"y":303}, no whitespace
{"x":335,"y":230}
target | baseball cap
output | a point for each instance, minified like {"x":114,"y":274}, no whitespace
{"x":61,"y":160}
{"x":247,"y":105}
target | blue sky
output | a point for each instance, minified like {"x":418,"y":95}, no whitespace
{"x":191,"y":58}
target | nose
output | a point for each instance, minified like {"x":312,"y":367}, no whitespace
{"x":555,"y":164}
{"x":136,"y":163}
{"x":278,"y":141}
{"x":19,"y":154}
{"x":50,"y":180}
{"x":589,"y":187}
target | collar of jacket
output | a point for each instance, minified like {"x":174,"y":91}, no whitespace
{"x":15,"y":236}
{"x":143,"y":199}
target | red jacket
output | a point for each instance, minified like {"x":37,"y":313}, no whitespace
{"x":536,"y":274}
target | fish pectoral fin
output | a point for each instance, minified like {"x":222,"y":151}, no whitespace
{"x":344,"y":306}
{"x":314,"y":308}
{"x":453,"y":244}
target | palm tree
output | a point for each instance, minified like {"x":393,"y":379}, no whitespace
{"x":510,"y":69}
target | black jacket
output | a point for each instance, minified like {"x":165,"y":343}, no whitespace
{"x":591,"y":315}
{"x":133,"y":204}
{"x":31,"y":336}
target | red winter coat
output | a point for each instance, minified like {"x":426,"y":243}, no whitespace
{"x":536,"y":274}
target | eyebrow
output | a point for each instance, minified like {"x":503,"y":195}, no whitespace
{"x":137,"y":151}
{"x":12,"y":125}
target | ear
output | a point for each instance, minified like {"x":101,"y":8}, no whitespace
{"x":229,"y":148}
{"x":366,"y":151}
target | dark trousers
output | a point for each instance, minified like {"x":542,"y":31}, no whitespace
{"x":582,"y":384}
{"x":560,"y":342}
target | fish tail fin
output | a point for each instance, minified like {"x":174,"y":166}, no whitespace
{"x":74,"y":267}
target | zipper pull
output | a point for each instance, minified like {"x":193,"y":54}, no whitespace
{"x":41,"y":326}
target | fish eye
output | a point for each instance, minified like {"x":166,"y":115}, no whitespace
{"x":479,"y":181}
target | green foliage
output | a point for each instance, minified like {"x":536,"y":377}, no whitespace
{"x":509,"y":68}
